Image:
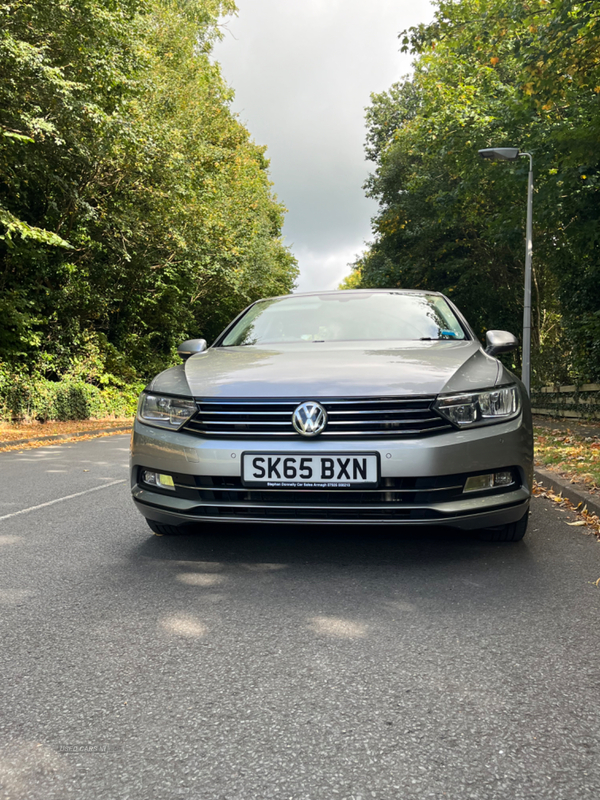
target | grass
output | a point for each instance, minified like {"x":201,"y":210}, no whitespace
{"x":574,"y":456}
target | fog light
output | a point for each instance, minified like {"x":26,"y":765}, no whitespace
{"x":158,"y":479}
{"x":476,"y":483}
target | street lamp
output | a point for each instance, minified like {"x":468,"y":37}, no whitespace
{"x":511,"y":154}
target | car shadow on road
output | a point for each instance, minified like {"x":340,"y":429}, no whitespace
{"x":335,"y":545}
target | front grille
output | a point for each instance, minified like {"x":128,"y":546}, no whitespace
{"x":394,"y":499}
{"x":359,"y":418}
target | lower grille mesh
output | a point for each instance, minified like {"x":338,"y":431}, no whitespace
{"x":395,"y":498}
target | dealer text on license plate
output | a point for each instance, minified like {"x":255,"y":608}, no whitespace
{"x":300,"y":471}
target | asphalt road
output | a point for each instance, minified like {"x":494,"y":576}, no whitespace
{"x":267,"y":662}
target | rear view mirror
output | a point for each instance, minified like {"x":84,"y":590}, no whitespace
{"x":500,"y":342}
{"x":191,"y":347}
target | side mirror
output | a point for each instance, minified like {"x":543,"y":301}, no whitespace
{"x":500,"y":342}
{"x":191,"y":347}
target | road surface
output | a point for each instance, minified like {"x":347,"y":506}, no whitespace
{"x":289,"y":663}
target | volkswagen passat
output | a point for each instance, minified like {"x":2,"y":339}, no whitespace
{"x":370,"y":407}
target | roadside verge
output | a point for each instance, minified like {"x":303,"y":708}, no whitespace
{"x":578,"y":495}
{"x":36,"y":441}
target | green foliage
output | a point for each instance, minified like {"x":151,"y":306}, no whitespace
{"x":496,"y":73}
{"x":96,"y":382}
{"x":37,"y":398}
{"x":135,"y":211}
{"x":352,"y":281}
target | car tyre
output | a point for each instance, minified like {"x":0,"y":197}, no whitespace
{"x":166,"y":530}
{"x":513,"y":532}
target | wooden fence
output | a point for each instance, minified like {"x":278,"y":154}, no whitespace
{"x":575,"y":402}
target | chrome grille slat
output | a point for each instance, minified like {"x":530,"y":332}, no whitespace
{"x":291,"y":409}
{"x":356,"y":418}
{"x":305,"y":506}
{"x":385,"y":421}
{"x":380,"y":411}
{"x":254,"y":413}
{"x":383,"y":491}
{"x":331,"y":423}
{"x":386,"y":432}
{"x":334,"y":402}
{"x":340,"y":434}
{"x":243,"y":422}
{"x":238,"y":434}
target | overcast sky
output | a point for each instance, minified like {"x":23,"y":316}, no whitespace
{"x":303,"y":72}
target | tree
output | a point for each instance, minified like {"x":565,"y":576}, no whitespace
{"x":136,"y":210}
{"x":486,"y":75}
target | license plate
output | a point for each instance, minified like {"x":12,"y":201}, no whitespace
{"x":301,"y":471}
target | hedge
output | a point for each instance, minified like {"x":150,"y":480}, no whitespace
{"x":24,"y":397}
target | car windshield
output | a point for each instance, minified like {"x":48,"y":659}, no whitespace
{"x":346,"y":316}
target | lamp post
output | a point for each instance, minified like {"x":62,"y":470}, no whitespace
{"x":511,"y":154}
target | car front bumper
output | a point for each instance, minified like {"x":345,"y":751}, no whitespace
{"x":209,"y":472}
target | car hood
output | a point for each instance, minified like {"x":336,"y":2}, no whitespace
{"x":339,"y":369}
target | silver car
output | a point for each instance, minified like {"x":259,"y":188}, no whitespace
{"x":366,"y":407}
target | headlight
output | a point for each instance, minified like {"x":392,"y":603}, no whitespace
{"x":480,"y":408}
{"x":165,"y":412}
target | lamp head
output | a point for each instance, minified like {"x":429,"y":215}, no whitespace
{"x":500,"y":153}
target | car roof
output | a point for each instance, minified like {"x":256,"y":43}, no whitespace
{"x":354,"y":291}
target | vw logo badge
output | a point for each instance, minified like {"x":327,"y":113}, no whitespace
{"x":309,"y":419}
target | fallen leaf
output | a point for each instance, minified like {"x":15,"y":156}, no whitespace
{"x":576,"y":524}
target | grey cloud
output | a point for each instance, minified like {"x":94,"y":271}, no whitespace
{"x":303,"y":72}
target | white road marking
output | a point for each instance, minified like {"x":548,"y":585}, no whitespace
{"x":60,"y":499}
